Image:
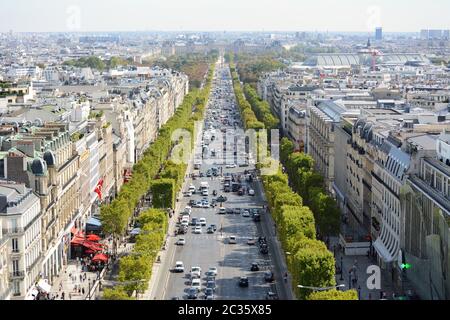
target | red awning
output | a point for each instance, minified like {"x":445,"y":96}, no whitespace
{"x":100,"y":258}
{"x":93,"y":237}
{"x":74,"y":230}
{"x":77,"y":240}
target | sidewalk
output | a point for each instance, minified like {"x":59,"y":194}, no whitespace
{"x":71,"y":284}
{"x":361,"y":263}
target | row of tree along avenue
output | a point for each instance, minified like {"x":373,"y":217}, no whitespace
{"x":163,"y":178}
{"x":301,"y":209}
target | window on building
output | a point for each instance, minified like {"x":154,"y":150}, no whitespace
{"x":15,"y":245}
{"x":15,"y":266}
{"x":16,"y":288}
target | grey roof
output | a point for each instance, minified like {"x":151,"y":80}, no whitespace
{"x":338,"y":60}
{"x":402,"y":58}
{"x":425,"y":142}
{"x":333,"y":110}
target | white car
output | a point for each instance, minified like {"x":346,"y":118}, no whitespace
{"x":187,"y":210}
{"x":185,"y":224}
{"x":231,"y":166}
{"x":181,"y":242}
{"x":205,"y":193}
{"x":232,"y":240}
{"x":205,"y":204}
{"x":179,"y":266}
{"x":196,"y":272}
{"x":246,"y":214}
{"x":198,"y":230}
{"x":213,"y":270}
{"x":203,"y":222}
{"x":197,"y":284}
{"x":251,"y":192}
{"x":192,"y":188}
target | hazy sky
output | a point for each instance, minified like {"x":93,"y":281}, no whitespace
{"x":220,"y":15}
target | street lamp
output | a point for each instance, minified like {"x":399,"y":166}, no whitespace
{"x":342,"y":269}
{"x":321,"y":289}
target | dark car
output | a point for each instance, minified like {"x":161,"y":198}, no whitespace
{"x":230,"y":211}
{"x":269,"y":276}
{"x":237,"y":211}
{"x":211,"y":285}
{"x":254,"y":267}
{"x":243,"y":282}
{"x":210,"y":230}
{"x":192,"y":294}
{"x":222,"y":199}
{"x":241,"y":192}
{"x":214,"y":227}
{"x":264,"y":249}
{"x":209,"y":292}
{"x":257,"y":218}
{"x":192,"y":203}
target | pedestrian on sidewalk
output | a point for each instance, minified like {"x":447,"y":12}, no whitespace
{"x":82,"y":291}
{"x":62,"y":295}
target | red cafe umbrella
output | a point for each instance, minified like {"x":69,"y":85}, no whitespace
{"x":101,"y":257}
{"x":89,"y":251}
{"x":93,"y":237}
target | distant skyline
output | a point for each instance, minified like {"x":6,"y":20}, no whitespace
{"x":219,"y":15}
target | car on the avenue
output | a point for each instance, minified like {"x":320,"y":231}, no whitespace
{"x":209,"y":294}
{"x":211,"y":285}
{"x":243,"y":282}
{"x":232,"y":240}
{"x":254,"y":267}
{"x":213,"y":270}
{"x":269,"y":276}
{"x":197,"y":284}
{"x":203,"y":222}
{"x":198,"y":230}
{"x":181,"y":242}
{"x":246,"y":214}
{"x":192,"y":294}
{"x":196,"y":272}
{"x":179,"y":266}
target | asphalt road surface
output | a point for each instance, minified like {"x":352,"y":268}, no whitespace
{"x":213,"y":250}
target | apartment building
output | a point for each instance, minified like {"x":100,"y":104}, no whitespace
{"x":44,"y":160}
{"x":5,"y":285}
{"x":426,"y":213}
{"x":20,"y":212}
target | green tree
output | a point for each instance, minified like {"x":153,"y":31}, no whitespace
{"x":117,"y":293}
{"x":326,"y":212}
{"x":333,"y":295}
{"x":135,"y":271}
{"x":313,"y":266}
{"x":163,"y":191}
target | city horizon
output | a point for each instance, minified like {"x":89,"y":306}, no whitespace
{"x":234,"y":15}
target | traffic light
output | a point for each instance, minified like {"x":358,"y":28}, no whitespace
{"x":406,"y":266}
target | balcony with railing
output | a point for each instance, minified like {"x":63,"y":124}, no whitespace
{"x":12,"y":231}
{"x":17,"y":275}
